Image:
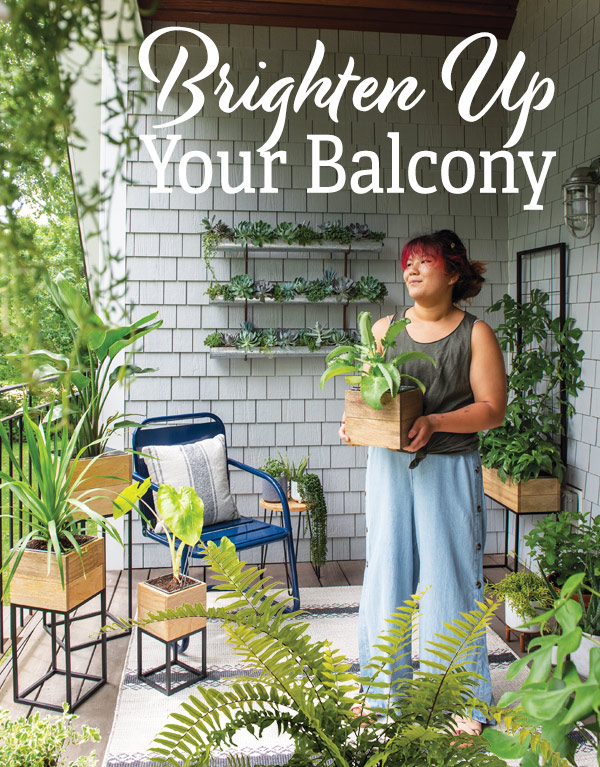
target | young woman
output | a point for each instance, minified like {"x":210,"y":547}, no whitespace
{"x":425,"y":509}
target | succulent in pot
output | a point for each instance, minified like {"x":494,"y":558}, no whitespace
{"x":293,"y":473}
{"x":248,"y":338}
{"x":379,"y":380}
{"x":276,"y":469}
{"x":371,"y":288}
{"x":287,"y":291}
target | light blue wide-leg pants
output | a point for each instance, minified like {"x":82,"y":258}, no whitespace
{"x":425,"y":528}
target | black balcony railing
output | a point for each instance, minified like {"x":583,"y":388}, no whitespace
{"x":18,"y":523}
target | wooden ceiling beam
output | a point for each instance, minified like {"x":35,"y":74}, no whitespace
{"x":434,"y":17}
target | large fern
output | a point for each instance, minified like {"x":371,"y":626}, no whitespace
{"x":305,"y":687}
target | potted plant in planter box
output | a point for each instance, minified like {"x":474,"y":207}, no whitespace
{"x":380,"y":412}
{"x":86,"y":378}
{"x":180,"y":516}
{"x":52,"y":565}
{"x":276,"y":469}
{"x":294,"y":473}
{"x":525,"y":595}
{"x":522,"y":461}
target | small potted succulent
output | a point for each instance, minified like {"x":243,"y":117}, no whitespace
{"x":525,"y":595}
{"x":180,"y":515}
{"x":293,"y":473}
{"x":276,"y":469}
{"x":379,"y":411}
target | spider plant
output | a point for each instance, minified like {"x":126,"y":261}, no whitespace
{"x":53,"y":496}
{"x":368,"y":364}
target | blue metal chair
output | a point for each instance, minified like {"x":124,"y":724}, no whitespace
{"x":245,"y":532}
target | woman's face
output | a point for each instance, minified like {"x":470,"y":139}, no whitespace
{"x":425,"y":277}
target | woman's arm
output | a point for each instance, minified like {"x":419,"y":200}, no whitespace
{"x":488,"y":381}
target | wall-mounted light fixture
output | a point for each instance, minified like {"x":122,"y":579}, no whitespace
{"x":579,"y":199}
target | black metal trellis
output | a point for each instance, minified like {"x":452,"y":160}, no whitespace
{"x":524,"y":257}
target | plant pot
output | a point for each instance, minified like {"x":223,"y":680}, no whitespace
{"x":152,"y":599}
{"x":109,"y":476}
{"x":295,"y":494}
{"x":269,"y":493}
{"x":33,"y":586}
{"x":514,"y":621}
{"x":540,"y":494}
{"x":387,"y":427}
{"x":581,"y":656}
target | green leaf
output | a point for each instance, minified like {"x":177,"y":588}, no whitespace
{"x":336,"y":370}
{"x":182,"y":511}
{"x":394,"y":329}
{"x":372,"y":390}
{"x":506,"y":746}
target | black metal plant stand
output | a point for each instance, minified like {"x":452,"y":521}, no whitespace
{"x":57,"y":644}
{"x":171,"y":660}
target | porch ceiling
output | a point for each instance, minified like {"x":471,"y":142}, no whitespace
{"x":459,"y":18}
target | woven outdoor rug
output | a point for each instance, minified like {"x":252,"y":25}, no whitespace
{"x":141,"y":712}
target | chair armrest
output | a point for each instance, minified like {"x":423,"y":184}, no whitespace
{"x":287,"y":520}
{"x":138,"y":478}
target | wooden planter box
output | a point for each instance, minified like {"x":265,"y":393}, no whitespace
{"x":101,"y":478}
{"x":32,"y":585}
{"x":535,"y":495}
{"x":387,"y":427}
{"x":153,"y":600}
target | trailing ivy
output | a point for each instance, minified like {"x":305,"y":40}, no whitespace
{"x":311,"y":492}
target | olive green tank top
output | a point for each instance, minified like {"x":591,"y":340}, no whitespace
{"x":447,"y":386}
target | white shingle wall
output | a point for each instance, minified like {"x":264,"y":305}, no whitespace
{"x":277,"y":403}
{"x":561,"y":39}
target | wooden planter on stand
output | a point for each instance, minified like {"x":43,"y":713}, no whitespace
{"x":387,"y":427}
{"x":152,"y":599}
{"x":109,"y":475}
{"x":531,"y":497}
{"x":33,"y":586}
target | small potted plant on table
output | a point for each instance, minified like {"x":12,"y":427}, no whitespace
{"x":293,"y":474}
{"x":522,"y":464}
{"x":275,"y":468}
{"x":379,"y":412}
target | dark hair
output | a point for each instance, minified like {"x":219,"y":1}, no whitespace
{"x":447,"y":249}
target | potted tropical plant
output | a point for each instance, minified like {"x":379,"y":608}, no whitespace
{"x":180,"y":515}
{"x":87,"y":378}
{"x":522,"y":464}
{"x":54,"y":566}
{"x":275,"y":468}
{"x":379,"y":411}
{"x":293,"y":473}
{"x":525,"y":595}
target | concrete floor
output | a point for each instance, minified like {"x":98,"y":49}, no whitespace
{"x":98,"y":710}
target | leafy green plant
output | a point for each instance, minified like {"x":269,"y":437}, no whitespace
{"x":89,"y":373}
{"x":53,"y":498}
{"x":316,"y":291}
{"x":41,"y":742}
{"x":290,"y":469}
{"x":553,"y":700}
{"x":214,"y":290}
{"x":521,"y":588}
{"x":558,"y":544}
{"x":525,"y":446}
{"x":365,"y":365}
{"x":311,"y":492}
{"x":305,"y":686}
{"x":370,"y":288}
{"x":180,"y":515}
{"x":273,"y":467}
{"x":214,"y":233}
{"x":214,"y":339}
{"x":336,"y":232}
{"x":306,"y":235}
{"x":242,"y":286}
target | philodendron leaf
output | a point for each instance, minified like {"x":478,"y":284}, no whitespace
{"x":506,"y":746}
{"x":182,"y":511}
{"x":372,"y":390}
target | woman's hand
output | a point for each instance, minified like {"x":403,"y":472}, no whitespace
{"x":420,"y":433}
{"x":342,"y":430}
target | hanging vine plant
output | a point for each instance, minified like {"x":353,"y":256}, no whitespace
{"x":311,"y":492}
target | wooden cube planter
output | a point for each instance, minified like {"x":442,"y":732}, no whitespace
{"x":387,"y":427}
{"x":152,"y":599}
{"x":32,"y":585}
{"x":530,"y":497}
{"x":101,"y":478}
